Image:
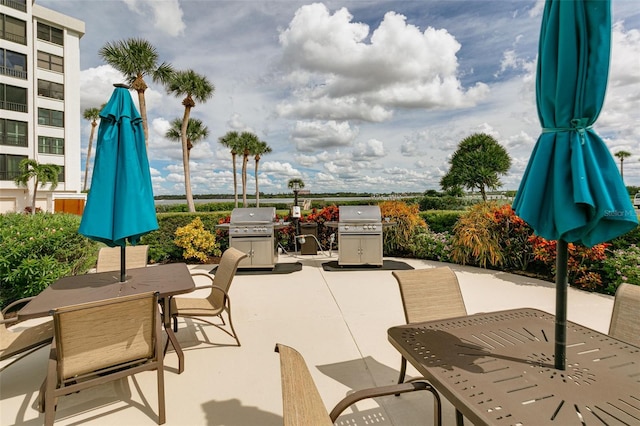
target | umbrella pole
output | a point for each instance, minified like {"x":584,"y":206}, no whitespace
{"x":123,"y":263}
{"x":562,"y":258}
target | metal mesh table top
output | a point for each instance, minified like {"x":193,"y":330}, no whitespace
{"x":498,"y":368}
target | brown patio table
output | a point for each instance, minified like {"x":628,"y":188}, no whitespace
{"x":497,"y":368}
{"x":168,"y":280}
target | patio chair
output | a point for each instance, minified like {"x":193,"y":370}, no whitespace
{"x":301,"y":401}
{"x":99,"y":342}
{"x":22,"y":342}
{"x":217,"y":301}
{"x":625,"y":318}
{"x":109,"y":258}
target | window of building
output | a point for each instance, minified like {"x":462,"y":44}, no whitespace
{"x":61,"y":175}
{"x":49,"y":89}
{"x":49,"y":33}
{"x":10,"y":166}
{"x":50,"y":117}
{"x":50,"y":62}
{"x":13,"y":133}
{"x":13,"y":98}
{"x":13,"y":29}
{"x":13,"y":64}
{"x":49,"y":145}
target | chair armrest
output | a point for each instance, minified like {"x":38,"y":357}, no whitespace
{"x":8,"y":320}
{"x":24,"y":300}
{"x":382,"y":391}
{"x":202,"y":274}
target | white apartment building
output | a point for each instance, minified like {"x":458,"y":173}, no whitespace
{"x":40,"y":115}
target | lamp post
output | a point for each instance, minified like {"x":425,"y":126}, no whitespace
{"x":296,"y":184}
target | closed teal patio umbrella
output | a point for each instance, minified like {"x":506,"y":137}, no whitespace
{"x":572,"y":191}
{"x":120,"y":206}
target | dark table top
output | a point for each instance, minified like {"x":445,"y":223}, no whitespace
{"x":498,"y":368}
{"x":168,"y":280}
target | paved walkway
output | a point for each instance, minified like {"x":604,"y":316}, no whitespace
{"x":337,"y":320}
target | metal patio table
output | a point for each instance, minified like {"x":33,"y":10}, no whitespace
{"x":497,"y":368}
{"x":168,"y":280}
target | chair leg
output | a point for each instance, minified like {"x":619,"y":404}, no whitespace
{"x":175,"y":323}
{"x":235,"y":335}
{"x":459,"y":418}
{"x":161,"y":399}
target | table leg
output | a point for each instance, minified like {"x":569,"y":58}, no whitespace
{"x":166,"y":309}
{"x":459,"y":418}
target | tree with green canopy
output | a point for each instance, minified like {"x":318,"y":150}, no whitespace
{"x":194,"y":87}
{"x":136,"y":58}
{"x":42,"y":174}
{"x":247,"y":142}
{"x":93,"y":115}
{"x":261,"y":148}
{"x":477,"y":164}
{"x":622,"y":155}
{"x":231,"y":140}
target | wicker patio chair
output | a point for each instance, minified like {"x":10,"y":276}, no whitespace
{"x":217,"y":301}
{"x":301,"y":401}
{"x":98,"y":342}
{"x":21,"y":342}
{"x":625,"y":319}
{"x":109,"y":258}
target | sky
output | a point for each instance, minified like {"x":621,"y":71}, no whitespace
{"x":352,"y":95}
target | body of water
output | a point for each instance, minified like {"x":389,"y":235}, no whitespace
{"x":252,"y":202}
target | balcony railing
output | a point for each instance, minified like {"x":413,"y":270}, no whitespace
{"x":12,"y":106}
{"x":12,"y":72}
{"x":20,"y":5}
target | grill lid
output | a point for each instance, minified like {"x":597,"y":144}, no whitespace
{"x":359,"y":214}
{"x":251,"y":215}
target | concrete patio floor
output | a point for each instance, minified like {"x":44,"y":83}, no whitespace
{"x":336,"y":320}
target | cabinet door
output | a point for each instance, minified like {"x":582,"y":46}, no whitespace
{"x":349,"y":251}
{"x":263,"y":253}
{"x":244,"y":245}
{"x":371,"y":249}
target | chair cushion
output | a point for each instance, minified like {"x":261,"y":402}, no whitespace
{"x":191,"y":306}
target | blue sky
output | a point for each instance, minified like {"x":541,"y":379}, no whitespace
{"x":365,"y":96}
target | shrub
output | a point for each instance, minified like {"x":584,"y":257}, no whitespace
{"x":431,"y":245}
{"x":513,"y":235}
{"x":397,"y":239}
{"x":474,"y":240}
{"x":441,"y":221}
{"x":196,"y":241}
{"x":581,"y":262}
{"x":36,"y":250}
{"x":621,"y":266}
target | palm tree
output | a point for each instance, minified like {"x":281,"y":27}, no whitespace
{"x":194,"y":87}
{"x":231,"y":140}
{"x":259,"y":149}
{"x":42,"y":175}
{"x":247,"y":142}
{"x":622,"y":155}
{"x":137,"y":58}
{"x":296,"y":184}
{"x":196,"y":131}
{"x":91,"y":114}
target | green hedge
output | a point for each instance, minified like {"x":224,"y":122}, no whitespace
{"x":36,"y":250}
{"x":441,"y":220}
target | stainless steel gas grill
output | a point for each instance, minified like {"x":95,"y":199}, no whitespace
{"x":251,"y":230}
{"x":359,"y":235}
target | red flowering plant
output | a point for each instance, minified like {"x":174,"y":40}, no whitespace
{"x":582,"y":263}
{"x":513,"y":235}
{"x":326,"y":214}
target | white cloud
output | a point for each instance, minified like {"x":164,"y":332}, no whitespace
{"x":309,"y":136}
{"x":166,"y":14}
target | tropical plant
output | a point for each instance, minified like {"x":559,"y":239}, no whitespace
{"x":194,"y":87}
{"x":42,"y":174}
{"x":196,"y":241}
{"x":426,"y":244}
{"x":621,"y":266}
{"x":406,"y":221}
{"x":473,"y":239}
{"x":91,"y":114}
{"x":136,"y":58}
{"x":196,"y":131}
{"x":622,"y":155}
{"x":247,"y":143}
{"x":476,"y":164}
{"x":231,"y":140}
{"x":259,"y":150}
